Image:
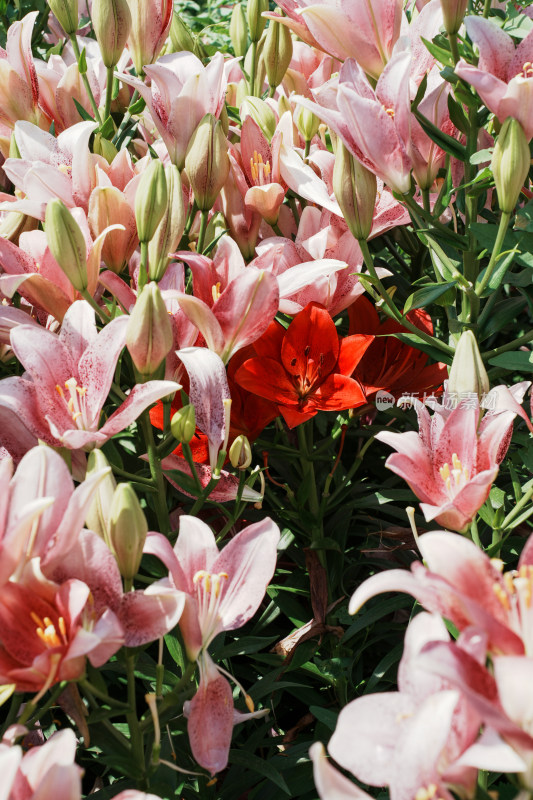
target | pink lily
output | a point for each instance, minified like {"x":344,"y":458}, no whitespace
{"x":261,"y":167}
{"x":209,"y":394}
{"x":41,"y":508}
{"x":452,"y":462}
{"x":182,"y":92}
{"x":48,"y":629}
{"x":51,"y":167}
{"x":69,"y":378}
{"x":224,"y":590}
{"x":462,"y":584}
{"x":504,"y":75}
{"x":373,"y":124}
{"x":242,"y":310}
{"x":366,"y":31}
{"x":47,"y":771}
{"x":19,"y":90}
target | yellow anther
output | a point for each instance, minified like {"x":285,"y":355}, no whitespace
{"x":508,"y":580}
{"x":444,"y":471}
{"x":215,"y":291}
{"x":267,"y":169}
{"x":59,"y":390}
{"x":523,"y":571}
{"x":223,"y":575}
{"x":81,"y":390}
{"x":456,"y":463}
{"x":38,"y":621}
{"x":249,"y":703}
{"x":65,"y":169}
{"x":497,"y":563}
{"x":502,"y":596}
{"x":62,"y":627}
{"x":390,"y":112}
{"x":198,"y":576}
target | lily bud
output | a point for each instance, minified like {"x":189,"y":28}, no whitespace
{"x":355,"y":188}
{"x":150,"y":24}
{"x":261,"y":113}
{"x":215,"y":227}
{"x":127,"y":530}
{"x":260,"y":71}
{"x":66,"y":243}
{"x":277,"y":52}
{"x":112,"y":26}
{"x":183,"y":424}
{"x":240,"y":453}
{"x":149,"y":332}
{"x":14,"y":151}
{"x":510,"y":163}
{"x":98,"y":515}
{"x":108,"y":206}
{"x":151,"y":200}
{"x":467,"y":372}
{"x":256,"y":22}
{"x":453,"y":12}
{"x":181,"y":36}
{"x":238,"y":30}
{"x":170,"y":230}
{"x":66,"y":13}
{"x":207,"y":162}
{"x":306,"y":122}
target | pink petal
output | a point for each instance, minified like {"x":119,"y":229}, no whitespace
{"x":210,"y":719}
{"x":330,"y":783}
{"x":139,"y":399}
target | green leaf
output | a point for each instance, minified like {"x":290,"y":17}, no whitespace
{"x":424,"y":297}
{"x":435,"y":352}
{"x":82,"y":63}
{"x":514,"y":362}
{"x":444,"y":141}
{"x":504,"y":261}
{"x":523,"y":240}
{"x":369,"y":615}
{"x":442,"y":54}
{"x":252,"y":762}
{"x":108,"y":129}
{"x":481,"y":157}
{"x":82,"y":112}
{"x":457,"y":115}
{"x":326,"y":716}
{"x":138,"y":106}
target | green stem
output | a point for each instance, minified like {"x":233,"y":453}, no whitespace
{"x":86,"y":685}
{"x":305,"y":444}
{"x":486,"y":9}
{"x":124,"y":742}
{"x":104,"y":316}
{"x":156,"y":473}
{"x":143,"y":268}
{"x":108,"y":92}
{"x":277,"y":230}
{"x":253,"y":58}
{"x":125,"y":120}
{"x":502,"y":230}
{"x":470,"y":308}
{"x":136,"y":735}
{"x":32,"y":713}
{"x":169,"y":701}
{"x":131,"y":477}
{"x":201,"y":235}
{"x":425,"y":201}
{"x":393,"y":311}
{"x":527,"y":337}
{"x":353,"y":469}
{"x":474,"y":534}
{"x":187,"y":452}
{"x":92,"y":101}
{"x":452,"y":38}
{"x":16,"y":702}
{"x":517,"y":509}
{"x":307,"y":149}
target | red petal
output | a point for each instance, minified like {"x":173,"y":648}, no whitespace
{"x":312,"y":335}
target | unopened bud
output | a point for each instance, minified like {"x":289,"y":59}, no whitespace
{"x":14,"y":151}
{"x":261,"y":113}
{"x":127,"y":530}
{"x":510,"y":163}
{"x":467,"y":372}
{"x":103,"y":147}
{"x":181,"y":36}
{"x":207,"y":162}
{"x":151,"y":200}
{"x":260,"y":71}
{"x":240,"y":453}
{"x":112,"y":25}
{"x":453,"y":12}
{"x":256,"y":22}
{"x":108,"y":206}
{"x":215,"y":227}
{"x":306,"y":122}
{"x":98,"y":515}
{"x":355,"y":188}
{"x":238,"y":30}
{"x":66,"y":13}
{"x":183,"y":424}
{"x":66,"y":243}
{"x":169,"y":231}
{"x":277,"y":52}
{"x":149,"y":336}
{"x":150,"y":25}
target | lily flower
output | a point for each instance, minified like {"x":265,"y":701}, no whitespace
{"x":306,"y":368}
{"x":68,"y":378}
{"x":453,"y":461}
{"x":503,"y":77}
{"x":223,"y":591}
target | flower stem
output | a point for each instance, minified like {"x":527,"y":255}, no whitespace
{"x":108,"y":93}
{"x":136,"y":734}
{"x":157,"y":473}
{"x":143,"y":268}
{"x":500,"y":236}
{"x":201,"y":235}
{"x":92,"y":302}
{"x":305,"y":443}
{"x":92,"y":101}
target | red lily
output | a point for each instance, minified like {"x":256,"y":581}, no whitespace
{"x":390,"y":364}
{"x":306,"y":368}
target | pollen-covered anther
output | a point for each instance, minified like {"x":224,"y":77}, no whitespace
{"x":456,"y":477}
{"x":75,"y":403}
{"x":427,"y":792}
{"x":47,"y":631}
{"x":527,"y":70}
{"x":215,"y":291}
{"x":259,"y":170}
{"x":390,"y":112}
